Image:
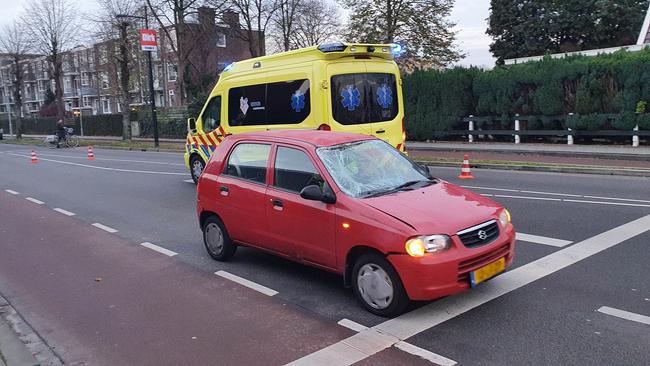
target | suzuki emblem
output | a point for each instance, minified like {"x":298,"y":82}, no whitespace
{"x":482,"y":234}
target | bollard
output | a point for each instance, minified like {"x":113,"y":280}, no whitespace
{"x":470,"y":137}
{"x":517,"y":138}
{"x":1,"y":134}
{"x":569,"y":138}
{"x":635,"y":138}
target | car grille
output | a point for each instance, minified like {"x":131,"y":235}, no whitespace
{"x":479,"y":235}
{"x":471,"y":264}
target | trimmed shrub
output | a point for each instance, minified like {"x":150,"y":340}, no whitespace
{"x":644,"y":121}
{"x":625,"y":121}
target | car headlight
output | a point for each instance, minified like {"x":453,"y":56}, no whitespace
{"x":418,"y":246}
{"x":504,"y":217}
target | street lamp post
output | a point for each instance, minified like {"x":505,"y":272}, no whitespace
{"x":152,"y":96}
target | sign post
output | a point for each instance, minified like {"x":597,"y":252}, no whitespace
{"x":148,"y":40}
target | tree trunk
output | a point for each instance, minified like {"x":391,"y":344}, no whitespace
{"x":124,"y":83}
{"x":58,"y":84}
{"x":18,"y":98}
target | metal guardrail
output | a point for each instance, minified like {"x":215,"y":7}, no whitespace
{"x":549,"y":133}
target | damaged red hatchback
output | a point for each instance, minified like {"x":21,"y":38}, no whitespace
{"x":354,"y":205}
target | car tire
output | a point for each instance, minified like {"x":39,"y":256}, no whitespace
{"x":378,"y":286}
{"x":217,"y":241}
{"x":196,"y":167}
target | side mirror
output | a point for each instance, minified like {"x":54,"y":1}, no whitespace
{"x":191,"y":125}
{"x":313,"y":193}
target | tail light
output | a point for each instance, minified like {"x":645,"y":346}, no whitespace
{"x":324,"y":127}
{"x":403,"y":131}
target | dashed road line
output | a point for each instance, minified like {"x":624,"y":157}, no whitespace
{"x":247,"y":283}
{"x":529,"y":198}
{"x":607,"y":203}
{"x":31,"y":199}
{"x":625,"y":315}
{"x":617,"y":199}
{"x":542,"y":240}
{"x":65,"y":212}
{"x":103,"y":168}
{"x":158,"y":249}
{"x":105,"y":228}
{"x":373,"y":340}
{"x":560,"y":194}
{"x":12,"y":192}
{"x":404,"y":346}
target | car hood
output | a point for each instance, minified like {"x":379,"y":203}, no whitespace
{"x":441,"y":208}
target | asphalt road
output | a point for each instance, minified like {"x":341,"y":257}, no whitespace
{"x":550,"y":319}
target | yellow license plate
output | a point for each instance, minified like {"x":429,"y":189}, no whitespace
{"x":488,"y":271}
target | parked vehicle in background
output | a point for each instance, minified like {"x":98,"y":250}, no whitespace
{"x":70,"y":139}
{"x":333,"y":87}
{"x":354,"y":205}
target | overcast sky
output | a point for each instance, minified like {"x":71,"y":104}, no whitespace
{"x":469,"y":15}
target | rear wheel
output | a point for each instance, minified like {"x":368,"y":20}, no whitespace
{"x":378,"y":286}
{"x":72,"y":141}
{"x":217,"y":241}
{"x":196,"y":167}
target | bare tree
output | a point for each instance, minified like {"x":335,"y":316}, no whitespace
{"x":52,"y":24}
{"x":257,"y":15}
{"x":172,"y":16}
{"x":16,"y":45}
{"x":112,"y":24}
{"x":319,"y":22}
{"x":284,"y":21}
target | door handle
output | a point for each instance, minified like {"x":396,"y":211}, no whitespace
{"x":380,"y":131}
{"x":276,"y":202}
{"x":224,"y":189}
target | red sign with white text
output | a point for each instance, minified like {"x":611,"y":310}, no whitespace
{"x":148,"y":40}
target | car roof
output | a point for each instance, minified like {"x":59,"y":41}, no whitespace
{"x":316,"y":138}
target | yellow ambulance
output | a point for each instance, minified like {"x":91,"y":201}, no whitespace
{"x":332,"y":87}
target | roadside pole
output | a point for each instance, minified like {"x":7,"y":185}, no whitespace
{"x":517,"y":138}
{"x":471,"y":128}
{"x":81,"y":111}
{"x":635,"y":137}
{"x":11,"y":129}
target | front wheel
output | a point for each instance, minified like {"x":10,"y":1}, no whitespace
{"x":72,"y":141}
{"x":378,"y":286}
{"x":49,"y":142}
{"x":196,"y":167}
{"x":217,"y":241}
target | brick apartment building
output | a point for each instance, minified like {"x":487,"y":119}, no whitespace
{"x":91,"y":75}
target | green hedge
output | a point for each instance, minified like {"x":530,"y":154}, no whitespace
{"x":619,"y":83}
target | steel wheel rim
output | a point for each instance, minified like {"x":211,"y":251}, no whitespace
{"x":214,"y":238}
{"x":197,"y":168}
{"x":375,"y":286}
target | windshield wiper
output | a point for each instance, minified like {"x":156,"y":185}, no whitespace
{"x":402,"y":187}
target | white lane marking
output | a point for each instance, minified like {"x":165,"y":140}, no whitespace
{"x":625,"y":315}
{"x":607,"y":203}
{"x":373,"y":340}
{"x":486,"y":195}
{"x":244,"y":282}
{"x":350,"y":324}
{"x":404,"y":346}
{"x":558,"y":194}
{"x":105,"y":228}
{"x":65,"y":212}
{"x":529,"y":198}
{"x":38,"y":202}
{"x":189,"y":181}
{"x":104,"y":168}
{"x":616,"y":199}
{"x":12,"y":192}
{"x":111,"y":159}
{"x":158,"y":249}
{"x":423,"y":353}
{"x":542,"y":240}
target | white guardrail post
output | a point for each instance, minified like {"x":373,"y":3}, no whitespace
{"x":517,"y":138}
{"x":635,"y":138}
{"x":569,"y":138}
{"x":470,"y":137}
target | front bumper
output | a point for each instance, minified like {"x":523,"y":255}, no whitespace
{"x":437,"y":275}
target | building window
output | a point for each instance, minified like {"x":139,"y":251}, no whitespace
{"x":103,"y":54}
{"x":87,"y":102}
{"x":85,"y":78}
{"x":221,"y":40}
{"x":172,"y":72}
{"x":104,"y":76}
{"x":106,"y":105}
{"x":41,"y":86}
{"x":67,"y":85}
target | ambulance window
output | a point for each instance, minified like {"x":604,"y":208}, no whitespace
{"x":364,"y":98}
{"x":212,"y":115}
{"x":287,"y":102}
{"x":247,"y":105}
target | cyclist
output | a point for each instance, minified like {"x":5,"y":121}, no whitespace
{"x":60,"y":133}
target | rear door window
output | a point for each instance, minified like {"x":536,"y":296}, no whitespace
{"x":249,"y":161}
{"x":288,"y":102}
{"x":294,"y":170}
{"x":364,"y":98}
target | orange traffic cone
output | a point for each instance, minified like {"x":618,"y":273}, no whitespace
{"x":34,"y":158}
{"x":465,"y":172}
{"x":91,"y":156}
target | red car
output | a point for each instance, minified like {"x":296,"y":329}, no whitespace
{"x":354,"y":205}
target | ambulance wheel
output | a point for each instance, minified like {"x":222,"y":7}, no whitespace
{"x":196,"y":167}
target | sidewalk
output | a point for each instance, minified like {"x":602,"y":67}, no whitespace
{"x":13,"y":352}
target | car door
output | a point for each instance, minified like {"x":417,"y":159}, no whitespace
{"x":304,"y":227}
{"x":242,"y":193}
